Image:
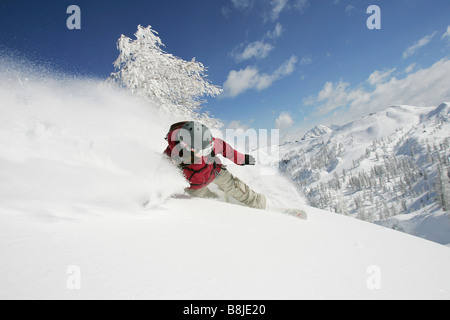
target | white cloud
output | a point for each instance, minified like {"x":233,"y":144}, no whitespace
{"x":424,"y":87}
{"x":446,"y":35}
{"x":286,"y":68}
{"x":238,"y":125}
{"x":276,"y":33}
{"x":349,"y":9}
{"x":284,"y":121}
{"x":331,"y":97}
{"x":240,"y":4}
{"x":241,"y":81}
{"x":226,"y":11}
{"x":251,"y":78}
{"x":257,"y":49}
{"x":305,"y":61}
{"x":417,"y":45}
{"x":378,"y":77}
{"x":410,"y":68}
{"x":302,"y":5}
{"x":278,"y":7}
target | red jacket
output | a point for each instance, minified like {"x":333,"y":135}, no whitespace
{"x":202,"y":172}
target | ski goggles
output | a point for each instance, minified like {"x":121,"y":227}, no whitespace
{"x":203,"y":152}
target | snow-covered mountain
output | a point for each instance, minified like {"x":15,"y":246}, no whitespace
{"x":78,"y":160}
{"x":316,"y":132}
{"x":386,"y":164}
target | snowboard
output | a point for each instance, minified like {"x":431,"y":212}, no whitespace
{"x":147,"y":204}
{"x":294,"y":212}
{"x":297,"y":213}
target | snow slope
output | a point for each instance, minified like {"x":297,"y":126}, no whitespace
{"x":77,"y":162}
{"x":184,"y":250}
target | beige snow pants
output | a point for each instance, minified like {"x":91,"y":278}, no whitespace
{"x":233,"y":187}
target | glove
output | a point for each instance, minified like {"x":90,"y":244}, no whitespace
{"x":250,"y":160}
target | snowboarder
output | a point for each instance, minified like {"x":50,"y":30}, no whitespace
{"x":193,"y":148}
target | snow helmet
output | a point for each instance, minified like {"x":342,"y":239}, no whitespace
{"x":196,"y":137}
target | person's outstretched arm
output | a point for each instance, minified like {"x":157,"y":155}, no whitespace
{"x":223,"y":148}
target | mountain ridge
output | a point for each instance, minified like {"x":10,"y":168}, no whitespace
{"x":316,"y":132}
{"x":377,"y":167}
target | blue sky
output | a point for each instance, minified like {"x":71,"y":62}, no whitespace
{"x":289,"y":64}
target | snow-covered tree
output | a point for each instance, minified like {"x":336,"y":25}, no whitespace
{"x":443,"y":188}
{"x":176,"y":85}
